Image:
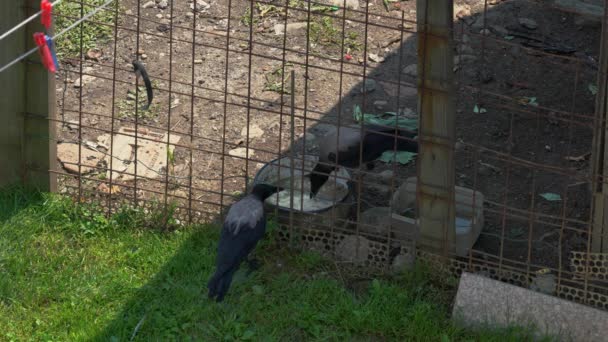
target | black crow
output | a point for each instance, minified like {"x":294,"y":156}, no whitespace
{"x":342,"y":148}
{"x":244,"y":226}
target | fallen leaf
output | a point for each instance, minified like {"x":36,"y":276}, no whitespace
{"x":549,"y":196}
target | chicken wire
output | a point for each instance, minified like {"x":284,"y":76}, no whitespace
{"x":226,"y":103}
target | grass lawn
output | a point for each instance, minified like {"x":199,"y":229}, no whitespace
{"x":69,"y":274}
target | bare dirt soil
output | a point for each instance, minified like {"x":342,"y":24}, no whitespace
{"x":529,"y":73}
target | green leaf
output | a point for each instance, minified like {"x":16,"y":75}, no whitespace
{"x":549,"y":196}
{"x":509,"y":37}
{"x":402,"y":157}
{"x":592,"y":89}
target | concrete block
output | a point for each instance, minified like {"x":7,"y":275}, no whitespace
{"x":482,"y":301}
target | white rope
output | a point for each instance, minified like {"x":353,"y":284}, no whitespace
{"x":23,"y":23}
{"x":87,"y":16}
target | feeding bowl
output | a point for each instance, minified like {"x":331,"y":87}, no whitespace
{"x":330,"y":207}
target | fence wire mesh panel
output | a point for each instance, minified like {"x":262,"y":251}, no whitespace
{"x":258,"y":91}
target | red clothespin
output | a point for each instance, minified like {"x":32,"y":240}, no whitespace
{"x":46,"y":11}
{"x":45,"y":52}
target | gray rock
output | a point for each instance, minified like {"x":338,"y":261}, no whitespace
{"x":149,"y":4}
{"x":380,"y":104}
{"x":460,"y":59}
{"x":403,"y":262}
{"x":352,"y":4}
{"x":386,"y":176}
{"x":279,"y":29}
{"x":411,"y":70}
{"x":376,"y":221}
{"x":369,"y":86}
{"x":481,"y":301}
{"x":465,"y":50}
{"x":528,"y":23}
{"x":162,"y":4}
{"x":355,"y":249}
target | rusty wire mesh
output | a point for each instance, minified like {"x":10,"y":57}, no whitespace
{"x":226,"y":104}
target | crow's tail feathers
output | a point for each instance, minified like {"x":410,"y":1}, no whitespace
{"x":219,"y":284}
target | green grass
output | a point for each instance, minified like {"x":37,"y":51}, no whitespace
{"x":68,"y":45}
{"x":71,"y":274}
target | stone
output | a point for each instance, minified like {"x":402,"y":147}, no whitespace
{"x":376,"y":221}
{"x":460,"y":59}
{"x":322,"y":129}
{"x":254,"y":131}
{"x":163,"y":4}
{"x":241,"y":152}
{"x":462,"y":11}
{"x":481,"y":301}
{"x":83,"y":81}
{"x":528,"y":23}
{"x":94,"y":54}
{"x":375,"y":58}
{"x":200,"y":6}
{"x":190,"y":15}
{"x":381,"y":190}
{"x":403,"y":262}
{"x":355,"y":249}
{"x":73,"y":124}
{"x":350,"y":4}
{"x":279,"y":29}
{"x":369,"y":86}
{"x":411,"y":70}
{"x":386,"y":176}
{"x":499,"y":30}
{"x":544,"y":283}
{"x":402,"y":91}
{"x":68,"y":153}
{"x":159,"y":16}
{"x":129,"y":12}
{"x":485,"y":32}
{"x":149,"y":4}
{"x":380,"y":104}
{"x":198,"y":61}
{"x":465,"y":50}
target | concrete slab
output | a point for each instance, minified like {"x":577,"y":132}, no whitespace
{"x":482,"y":301}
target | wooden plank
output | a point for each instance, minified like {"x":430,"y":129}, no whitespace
{"x":435,"y":189}
{"x":39,"y":148}
{"x":12,"y":98}
{"x":599,"y":239}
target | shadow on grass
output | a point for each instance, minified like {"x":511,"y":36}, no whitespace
{"x":14,"y":199}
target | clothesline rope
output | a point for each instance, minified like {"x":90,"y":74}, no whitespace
{"x":26,"y":21}
{"x":87,"y":16}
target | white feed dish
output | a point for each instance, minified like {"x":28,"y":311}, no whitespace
{"x":332,"y":192}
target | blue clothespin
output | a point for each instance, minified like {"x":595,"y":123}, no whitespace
{"x":51,"y":45}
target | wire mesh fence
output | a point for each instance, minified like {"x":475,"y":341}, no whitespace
{"x":250,"y":91}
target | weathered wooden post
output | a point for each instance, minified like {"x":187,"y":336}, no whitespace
{"x":436,"y":107}
{"x":27,"y":104}
{"x":599,"y":238}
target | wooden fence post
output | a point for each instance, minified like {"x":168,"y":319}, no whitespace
{"x":436,"y":107}
{"x":599,"y":168}
{"x":27,"y":103}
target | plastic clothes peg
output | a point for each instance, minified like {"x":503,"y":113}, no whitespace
{"x":51,"y":45}
{"x":46,"y":13}
{"x":45,"y":53}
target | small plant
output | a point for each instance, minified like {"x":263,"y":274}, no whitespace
{"x":126,"y":107}
{"x":323,"y":32}
{"x":92,"y":32}
{"x":277,"y":82}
